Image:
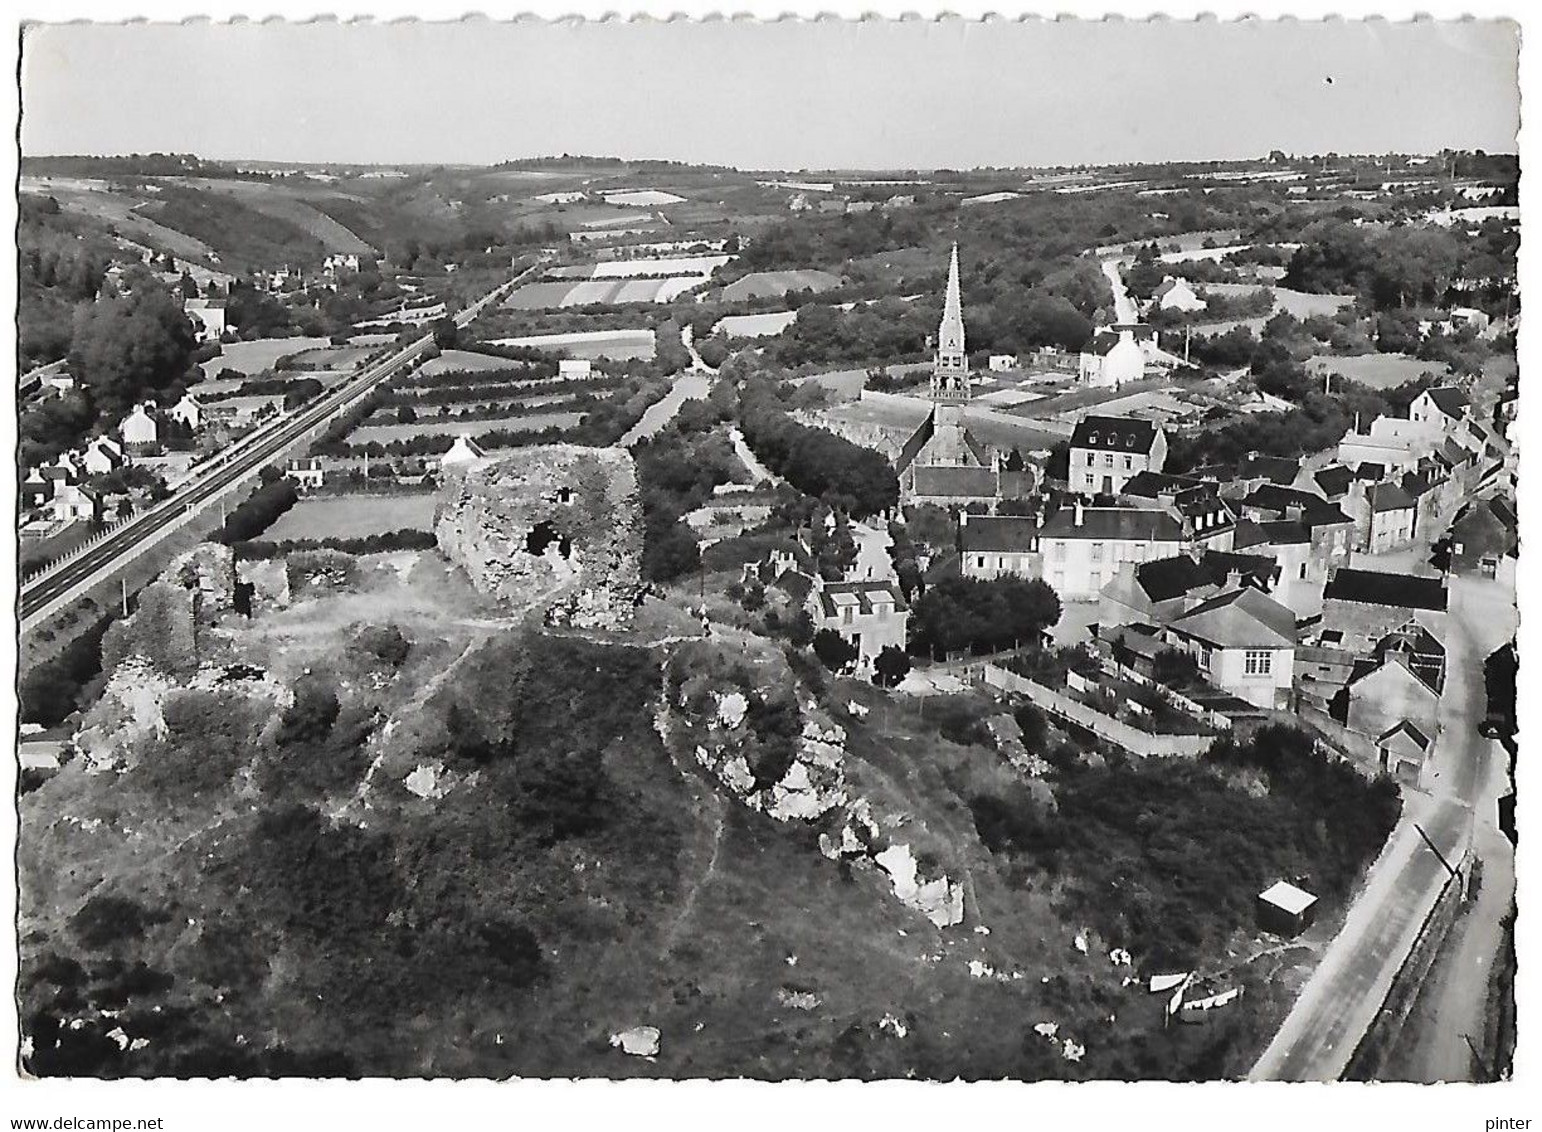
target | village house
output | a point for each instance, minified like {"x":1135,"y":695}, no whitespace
{"x":188,"y":412}
{"x":1177,"y":294}
{"x":1209,"y":523}
{"x":577,"y":369}
{"x":1107,"y":452}
{"x":1363,"y":613}
{"x":1483,"y":537}
{"x":1084,"y":548}
{"x":208,"y":316}
{"x":1443,"y":406}
{"x":1002,"y":363}
{"x":1111,"y":359}
{"x":1382,"y":694}
{"x":1243,"y":642}
{"x":139,"y":430}
{"x":1157,"y":591}
{"x":871,"y":614}
{"x":998,"y":546}
{"x":308,"y":473}
{"x":1403,"y":750}
{"x":461,"y":453}
{"x":74,"y":502}
{"x":1383,"y":515}
{"x":103,"y":455}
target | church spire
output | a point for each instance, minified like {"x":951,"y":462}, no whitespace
{"x":950,"y":368}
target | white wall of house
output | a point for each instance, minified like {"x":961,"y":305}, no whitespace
{"x":1078,"y":568}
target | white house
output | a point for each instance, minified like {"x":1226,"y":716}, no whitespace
{"x":1001,"y":363}
{"x":1244,"y":643}
{"x":872,"y":615}
{"x":463,"y":452}
{"x":1112,"y":359}
{"x":208,"y":314}
{"x":1176,"y":294}
{"x":1084,"y":548}
{"x":308,"y":473}
{"x":1106,"y":452}
{"x":1442,"y":406}
{"x":139,"y":429}
{"x":576,"y":368}
{"x":994,"y":546}
{"x":103,"y":455}
{"x":189,"y":411}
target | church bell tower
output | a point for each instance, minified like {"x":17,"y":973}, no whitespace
{"x":950,"y":367}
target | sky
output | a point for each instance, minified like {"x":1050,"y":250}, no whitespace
{"x":781,"y":95}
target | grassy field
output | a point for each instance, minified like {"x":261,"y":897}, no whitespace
{"x":756,"y":325}
{"x":283,"y":203}
{"x":618,"y":345}
{"x":1379,"y":371}
{"x":463,"y":361}
{"x":259,"y":354}
{"x":353,"y":516}
{"x":533,"y":422}
{"x":769,"y":284}
{"x":330,"y":358}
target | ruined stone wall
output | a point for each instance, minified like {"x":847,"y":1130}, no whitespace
{"x":556,"y":525}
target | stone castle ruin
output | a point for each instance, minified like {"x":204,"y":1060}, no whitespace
{"x":556,"y":525}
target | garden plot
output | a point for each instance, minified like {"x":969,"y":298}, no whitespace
{"x":1379,"y":371}
{"x":647,"y":198}
{"x":463,"y":361}
{"x":531,"y":422}
{"x":332,"y":359}
{"x":538,"y":296}
{"x":774,"y":284}
{"x":353,"y":516}
{"x":258,"y":355}
{"x":766,"y":325}
{"x":617,"y":345}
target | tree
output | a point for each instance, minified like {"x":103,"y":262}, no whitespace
{"x":834,"y":651}
{"x":890,"y":667}
{"x":446,"y":333}
{"x":127,"y":348}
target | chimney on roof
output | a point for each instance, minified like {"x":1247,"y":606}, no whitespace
{"x":1080,"y":513}
{"x":1234,"y":579}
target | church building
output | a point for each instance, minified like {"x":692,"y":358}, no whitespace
{"x":943,"y":462}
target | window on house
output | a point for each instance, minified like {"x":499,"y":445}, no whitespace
{"x":1303,"y":571}
{"x":1057,"y":550}
{"x":1091,"y":480}
{"x":1129,"y":462}
{"x":1097,"y":552}
{"x":1092,"y":438}
{"x":1257,"y":662}
{"x":1108,"y":459}
{"x":980,"y":561}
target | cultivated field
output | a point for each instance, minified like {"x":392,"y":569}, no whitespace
{"x":463,"y":361}
{"x":1298,"y":303}
{"x":774,"y":284}
{"x":644,"y":197}
{"x":764,"y":325}
{"x":1379,"y":371}
{"x":332,"y":359}
{"x":258,"y":355}
{"x":353,"y":516}
{"x":617,"y":345}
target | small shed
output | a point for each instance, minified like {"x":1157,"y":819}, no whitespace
{"x":1285,"y":909}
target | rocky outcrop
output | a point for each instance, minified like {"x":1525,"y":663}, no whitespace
{"x":173,"y":628}
{"x":558,"y":526}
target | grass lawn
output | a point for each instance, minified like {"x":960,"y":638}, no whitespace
{"x":258,"y":355}
{"x":353,"y":516}
{"x":332,"y":358}
{"x":464,"y":361}
{"x":1379,"y":371}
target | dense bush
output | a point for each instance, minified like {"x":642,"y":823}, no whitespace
{"x":982,"y":615}
{"x":847,"y":476}
{"x":49,"y":691}
{"x":365,"y":544}
{"x":257,"y":512}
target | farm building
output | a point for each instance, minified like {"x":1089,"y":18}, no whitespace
{"x":1285,"y":909}
{"x":463,"y":452}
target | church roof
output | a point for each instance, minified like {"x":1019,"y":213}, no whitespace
{"x":954,"y":481}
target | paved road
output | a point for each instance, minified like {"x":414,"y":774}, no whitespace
{"x":44,"y":594}
{"x":1124,"y":306}
{"x":1465,"y":778}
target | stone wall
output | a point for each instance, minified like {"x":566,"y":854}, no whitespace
{"x":556,"y":525}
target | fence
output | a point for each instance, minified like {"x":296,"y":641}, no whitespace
{"x":1174,"y":697}
{"x":1366,"y":1061}
{"x":1106,"y":727}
